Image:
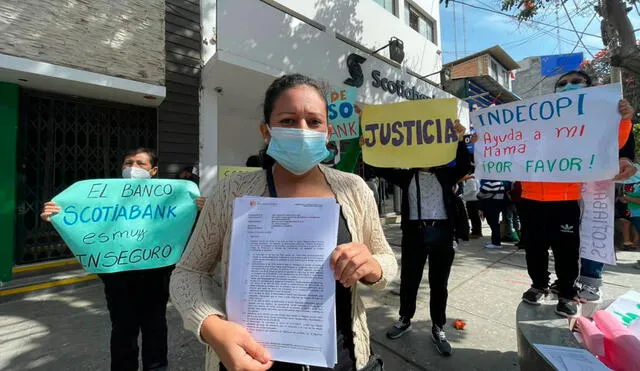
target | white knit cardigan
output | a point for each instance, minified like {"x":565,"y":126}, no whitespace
{"x":193,"y":289}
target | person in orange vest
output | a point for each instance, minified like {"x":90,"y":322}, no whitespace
{"x":551,"y":217}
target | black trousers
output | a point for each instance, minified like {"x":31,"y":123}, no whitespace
{"x":474,"y":216}
{"x":492,"y":209}
{"x":557,"y":225}
{"x":414,"y":257}
{"x":137,"y":302}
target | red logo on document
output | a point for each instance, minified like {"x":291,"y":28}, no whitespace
{"x":253,"y":203}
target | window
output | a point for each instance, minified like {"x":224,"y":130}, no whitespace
{"x":494,"y":70}
{"x":419,"y":22}
{"x":387,"y":4}
{"x":505,"y":77}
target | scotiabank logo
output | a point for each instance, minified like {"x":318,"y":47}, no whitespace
{"x":397,"y":87}
{"x":354,"y":62}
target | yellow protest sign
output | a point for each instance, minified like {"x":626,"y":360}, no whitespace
{"x":417,"y":133}
{"x":227,"y":171}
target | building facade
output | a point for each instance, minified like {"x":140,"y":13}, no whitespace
{"x":482,"y":78}
{"x":80,"y":83}
{"x":330,"y":41}
{"x":537,"y":75}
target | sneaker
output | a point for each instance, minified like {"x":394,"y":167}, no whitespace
{"x":590,"y":294}
{"x":399,"y":328}
{"x":440,"y":341}
{"x":567,"y":307}
{"x":534,"y":296}
{"x":455,"y":245}
{"x":492,"y":246}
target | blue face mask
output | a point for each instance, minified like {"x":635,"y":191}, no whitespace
{"x":570,"y":87}
{"x":297,"y":150}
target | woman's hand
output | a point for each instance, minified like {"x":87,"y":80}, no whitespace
{"x":353,"y":262}
{"x":627,"y":169}
{"x":237,"y":349}
{"x":200,"y":202}
{"x":625,"y":109}
{"x":48,"y":210}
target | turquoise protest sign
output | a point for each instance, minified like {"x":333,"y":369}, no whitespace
{"x":115,"y":225}
{"x":342,"y":114}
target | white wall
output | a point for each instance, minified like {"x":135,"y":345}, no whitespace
{"x":208,"y":22}
{"x":272,"y":42}
{"x":371,"y":25}
{"x":208,"y":140}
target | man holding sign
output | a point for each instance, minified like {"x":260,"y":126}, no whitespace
{"x":426,"y":136}
{"x":118,"y":228}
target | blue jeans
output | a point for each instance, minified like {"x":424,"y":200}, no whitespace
{"x":591,"y":269}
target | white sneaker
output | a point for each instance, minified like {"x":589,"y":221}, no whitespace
{"x":455,"y":245}
{"x":492,"y":246}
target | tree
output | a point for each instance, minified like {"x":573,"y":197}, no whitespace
{"x":615,"y":28}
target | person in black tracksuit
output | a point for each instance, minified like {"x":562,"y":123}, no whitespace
{"x":414,"y":250}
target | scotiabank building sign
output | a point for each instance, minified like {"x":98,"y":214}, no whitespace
{"x":397,"y":87}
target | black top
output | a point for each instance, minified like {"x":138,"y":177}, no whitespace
{"x":447,"y":176}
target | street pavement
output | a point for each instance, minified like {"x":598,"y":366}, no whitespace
{"x":69,"y":329}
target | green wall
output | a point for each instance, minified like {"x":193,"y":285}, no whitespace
{"x":9,"y":94}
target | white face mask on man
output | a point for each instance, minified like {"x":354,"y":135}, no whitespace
{"x":135,"y":173}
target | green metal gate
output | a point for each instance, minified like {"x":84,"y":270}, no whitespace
{"x":62,"y":140}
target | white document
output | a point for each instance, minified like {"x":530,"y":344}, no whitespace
{"x":570,"y":359}
{"x":281,"y":287}
{"x":596,"y":225}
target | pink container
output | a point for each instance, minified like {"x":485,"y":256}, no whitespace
{"x":621,"y":348}
{"x":592,"y":336}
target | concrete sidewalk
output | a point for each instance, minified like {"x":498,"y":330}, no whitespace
{"x":69,"y":330}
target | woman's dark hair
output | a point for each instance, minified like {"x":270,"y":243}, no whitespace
{"x":153,"y":157}
{"x":277,"y":87}
{"x":586,"y":77}
{"x":286,"y":82}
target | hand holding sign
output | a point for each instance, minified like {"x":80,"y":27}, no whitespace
{"x":114,"y":225}
{"x":50,"y":209}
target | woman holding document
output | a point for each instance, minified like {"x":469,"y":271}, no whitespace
{"x":296,"y":132}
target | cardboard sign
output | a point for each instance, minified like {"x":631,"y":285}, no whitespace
{"x":342,"y":114}
{"x":115,"y":225}
{"x":565,"y":137}
{"x":596,"y":225}
{"x":227,"y":171}
{"x":418,"y":133}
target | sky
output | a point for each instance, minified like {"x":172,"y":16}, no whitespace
{"x":483,"y":29}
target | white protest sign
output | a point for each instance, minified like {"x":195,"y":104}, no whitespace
{"x":564,"y":137}
{"x":596,"y":226}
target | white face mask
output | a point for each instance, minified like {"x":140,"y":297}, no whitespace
{"x":135,"y":173}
